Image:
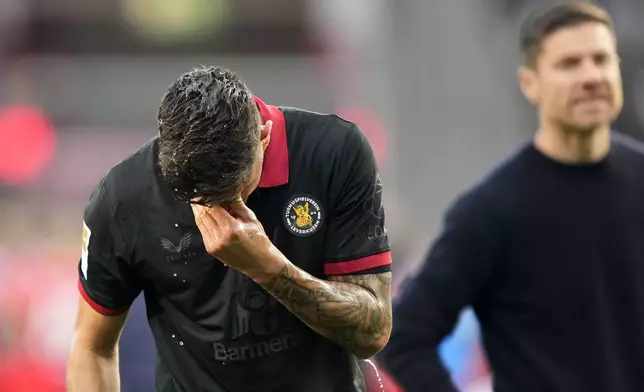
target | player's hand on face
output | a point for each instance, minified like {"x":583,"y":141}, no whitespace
{"x":234,"y":235}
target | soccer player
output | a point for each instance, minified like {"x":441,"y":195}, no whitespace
{"x":257,"y":236}
{"x":548,"y":249}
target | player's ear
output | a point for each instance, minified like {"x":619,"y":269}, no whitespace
{"x":265,"y":133}
{"x":529,"y":84}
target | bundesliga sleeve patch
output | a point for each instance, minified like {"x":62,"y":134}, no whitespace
{"x":85,"y":249}
{"x":303,"y":215}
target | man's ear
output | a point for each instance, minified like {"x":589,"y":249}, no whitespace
{"x":265,"y":133}
{"x":529,"y":84}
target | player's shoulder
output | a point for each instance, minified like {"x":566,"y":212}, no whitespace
{"x":127,"y":181}
{"x":321,"y":145}
{"x":323,"y":137}
{"x":326,"y":128}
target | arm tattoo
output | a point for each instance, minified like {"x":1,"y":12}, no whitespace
{"x":353,"y":311}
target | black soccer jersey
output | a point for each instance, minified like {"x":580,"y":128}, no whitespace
{"x":320,"y":201}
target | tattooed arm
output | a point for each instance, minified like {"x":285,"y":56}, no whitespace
{"x":353,"y":311}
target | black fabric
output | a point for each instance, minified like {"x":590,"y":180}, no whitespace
{"x":215,"y":329}
{"x":357,"y":227}
{"x":551,"y":258}
{"x":106,"y":274}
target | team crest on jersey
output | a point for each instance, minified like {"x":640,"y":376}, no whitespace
{"x":302,"y":215}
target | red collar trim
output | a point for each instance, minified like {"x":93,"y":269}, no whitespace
{"x":275,"y":169}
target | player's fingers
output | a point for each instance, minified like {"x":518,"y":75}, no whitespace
{"x":214,"y":234}
{"x":238,"y":209}
{"x":242,"y":213}
{"x":221,"y":214}
{"x":227,"y":224}
{"x":204,"y":220}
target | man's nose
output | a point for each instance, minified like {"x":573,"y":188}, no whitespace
{"x":591,"y":74}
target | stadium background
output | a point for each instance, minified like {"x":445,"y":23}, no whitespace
{"x":432,"y":83}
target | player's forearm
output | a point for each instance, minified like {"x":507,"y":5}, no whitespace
{"x":349,"y":314}
{"x":89,"y":370}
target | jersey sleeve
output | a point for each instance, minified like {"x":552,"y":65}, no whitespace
{"x":357,"y":239}
{"x":106,"y":278}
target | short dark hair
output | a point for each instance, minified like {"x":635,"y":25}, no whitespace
{"x":546,"y":20}
{"x":208,"y":135}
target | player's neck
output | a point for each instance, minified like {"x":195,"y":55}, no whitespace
{"x":573,"y":147}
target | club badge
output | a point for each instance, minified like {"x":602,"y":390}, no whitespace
{"x":302,"y":215}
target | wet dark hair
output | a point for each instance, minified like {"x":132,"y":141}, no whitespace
{"x":208,"y":136}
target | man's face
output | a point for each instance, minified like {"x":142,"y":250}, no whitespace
{"x":577,"y":82}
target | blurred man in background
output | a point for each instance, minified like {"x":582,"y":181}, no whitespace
{"x":549,"y":248}
{"x":277,"y":279}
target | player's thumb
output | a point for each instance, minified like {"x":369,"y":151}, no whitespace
{"x":239,"y":210}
